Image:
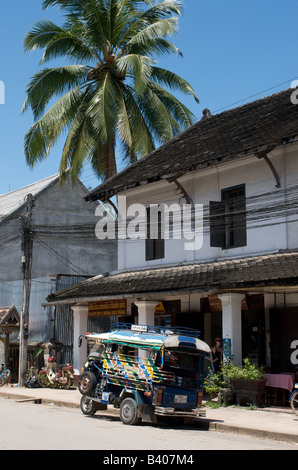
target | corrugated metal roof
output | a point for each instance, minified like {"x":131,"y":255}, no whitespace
{"x":11,"y":201}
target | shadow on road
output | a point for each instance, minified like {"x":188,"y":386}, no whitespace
{"x":172,"y":423}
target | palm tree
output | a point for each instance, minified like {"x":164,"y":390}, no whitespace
{"x":112,"y":91}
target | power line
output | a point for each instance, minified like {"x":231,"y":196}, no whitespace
{"x":256,"y":94}
{"x":62,"y":258}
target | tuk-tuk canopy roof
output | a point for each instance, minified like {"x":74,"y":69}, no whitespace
{"x":138,"y":336}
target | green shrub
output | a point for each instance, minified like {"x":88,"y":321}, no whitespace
{"x":248,"y":371}
{"x":214,"y":383}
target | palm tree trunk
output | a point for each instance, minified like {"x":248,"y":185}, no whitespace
{"x":111,"y":167}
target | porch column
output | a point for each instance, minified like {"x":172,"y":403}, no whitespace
{"x":231,"y":323}
{"x":80,"y":320}
{"x":146,"y":311}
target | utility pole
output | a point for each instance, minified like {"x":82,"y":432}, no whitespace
{"x":27,"y":248}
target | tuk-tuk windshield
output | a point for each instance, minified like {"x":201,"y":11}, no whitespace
{"x":182,"y":358}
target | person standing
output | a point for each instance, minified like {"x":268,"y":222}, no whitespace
{"x":217,"y":354}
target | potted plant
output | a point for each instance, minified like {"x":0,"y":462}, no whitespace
{"x":213,"y":383}
{"x":247,"y":381}
{"x":216,"y":386}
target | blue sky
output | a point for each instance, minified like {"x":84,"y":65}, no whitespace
{"x":234,"y":52}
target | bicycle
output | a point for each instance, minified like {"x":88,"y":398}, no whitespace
{"x":294,"y":400}
{"x":4,"y":374}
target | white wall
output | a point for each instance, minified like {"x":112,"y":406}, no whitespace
{"x":205,"y":186}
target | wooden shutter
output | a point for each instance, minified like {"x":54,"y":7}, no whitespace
{"x":217,"y":224}
{"x":149,"y":242}
{"x":155,"y":248}
{"x":240,"y":237}
{"x":235,"y":210}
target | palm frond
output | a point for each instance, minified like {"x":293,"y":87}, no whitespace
{"x":180,"y":113}
{"x":43,"y":134}
{"x":161,"y":123}
{"x":153,"y":47}
{"x":132,"y":123}
{"x":51,"y":82}
{"x":115,"y":92}
{"x":173,"y":81}
{"x":67,"y":44}
{"x":136,"y":67}
{"x":142,"y":19}
{"x":72,"y":5}
{"x":41,"y":34}
{"x":103,"y":108}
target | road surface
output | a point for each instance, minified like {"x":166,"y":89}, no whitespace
{"x":29,"y":426}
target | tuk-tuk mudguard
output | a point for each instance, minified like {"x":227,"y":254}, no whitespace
{"x":137,"y":396}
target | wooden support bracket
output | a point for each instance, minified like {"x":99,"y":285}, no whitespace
{"x":183,"y":191}
{"x":264,"y":155}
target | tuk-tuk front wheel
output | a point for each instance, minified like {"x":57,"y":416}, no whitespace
{"x":129,"y":411}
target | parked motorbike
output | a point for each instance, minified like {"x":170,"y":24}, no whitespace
{"x":56,"y":377}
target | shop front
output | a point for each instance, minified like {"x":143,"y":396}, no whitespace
{"x":246,"y":302}
{"x":250,"y":326}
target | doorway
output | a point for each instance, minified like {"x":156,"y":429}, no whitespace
{"x":283,"y":331}
{"x":253,"y":336}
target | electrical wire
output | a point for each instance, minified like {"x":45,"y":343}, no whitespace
{"x":79,"y":271}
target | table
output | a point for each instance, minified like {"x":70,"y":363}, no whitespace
{"x":285,"y":381}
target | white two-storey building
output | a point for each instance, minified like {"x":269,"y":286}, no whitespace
{"x":233,"y":272}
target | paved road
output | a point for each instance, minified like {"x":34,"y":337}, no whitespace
{"x":28,"y":426}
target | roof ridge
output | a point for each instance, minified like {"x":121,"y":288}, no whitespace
{"x":53,"y":177}
{"x":229,"y":135}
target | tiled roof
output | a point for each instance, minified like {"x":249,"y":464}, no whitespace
{"x":271,"y":269}
{"x":262,"y":124}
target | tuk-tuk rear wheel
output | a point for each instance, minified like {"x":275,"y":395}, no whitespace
{"x":87,"y":406}
{"x":129,"y":411}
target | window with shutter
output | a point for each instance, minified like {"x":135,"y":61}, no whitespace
{"x":228,"y":219}
{"x":155,"y":247}
{"x":217,"y":224}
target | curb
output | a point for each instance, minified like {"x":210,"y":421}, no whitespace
{"x":256,"y":433}
{"x":44,"y":401}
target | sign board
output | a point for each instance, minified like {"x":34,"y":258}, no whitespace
{"x":227,"y":349}
{"x":142,"y":328}
{"x":216,"y":306}
{"x":159,"y":309}
{"x":214,"y":303}
{"x":107,"y":308}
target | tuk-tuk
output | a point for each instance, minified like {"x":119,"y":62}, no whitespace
{"x":146,"y":371}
